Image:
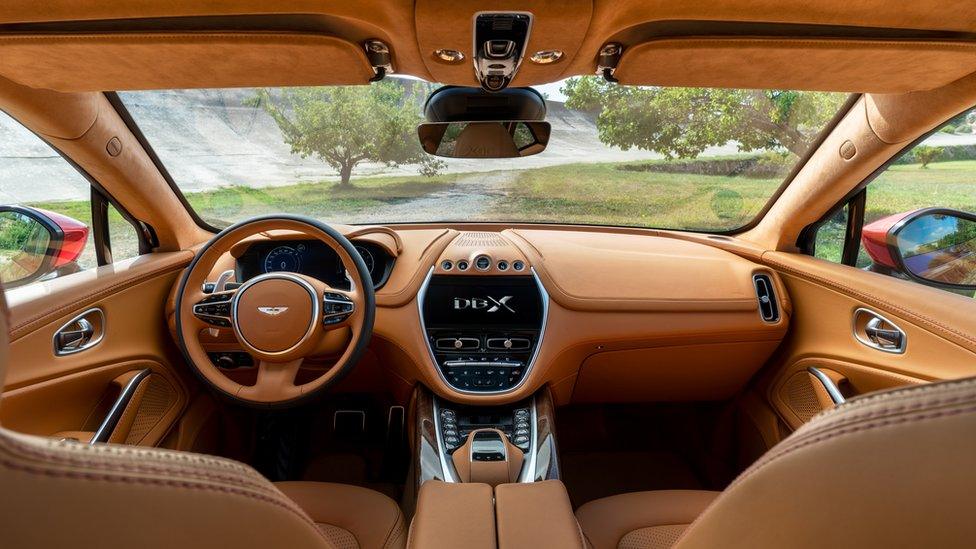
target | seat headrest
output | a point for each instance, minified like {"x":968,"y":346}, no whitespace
{"x":485,"y":140}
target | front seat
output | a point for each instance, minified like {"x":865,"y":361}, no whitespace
{"x":892,"y":469}
{"x":67,"y":494}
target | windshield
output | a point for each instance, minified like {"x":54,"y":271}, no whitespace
{"x":678,"y":158}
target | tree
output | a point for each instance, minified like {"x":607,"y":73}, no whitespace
{"x":347,"y":125}
{"x":926,"y":154}
{"x":683,"y":122}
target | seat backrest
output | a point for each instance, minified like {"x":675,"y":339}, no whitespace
{"x":893,"y":469}
{"x":68,"y":494}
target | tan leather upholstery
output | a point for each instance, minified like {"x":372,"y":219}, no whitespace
{"x":536,"y":514}
{"x":60,"y":493}
{"x":341,"y":511}
{"x":890,"y":469}
{"x":453,"y":515}
{"x":627,"y":519}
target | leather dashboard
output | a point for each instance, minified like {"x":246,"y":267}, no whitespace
{"x":631,"y":315}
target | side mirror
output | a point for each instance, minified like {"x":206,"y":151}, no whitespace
{"x":35,"y":243}
{"x":934,"y":246}
{"x":504,"y":139}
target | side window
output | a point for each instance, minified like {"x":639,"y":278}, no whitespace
{"x":917,"y":218}
{"x":46,"y":213}
{"x":123,"y":238}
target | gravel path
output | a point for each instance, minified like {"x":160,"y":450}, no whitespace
{"x":472,"y":195}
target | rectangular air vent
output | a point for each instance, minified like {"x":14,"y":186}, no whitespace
{"x":767,"y":298}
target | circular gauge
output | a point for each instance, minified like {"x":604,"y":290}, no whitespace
{"x":367,"y":258}
{"x":283,"y":258}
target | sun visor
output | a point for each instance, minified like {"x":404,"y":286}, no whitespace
{"x":848,"y":65}
{"x":147,"y":61}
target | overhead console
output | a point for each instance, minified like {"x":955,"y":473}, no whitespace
{"x":483,"y":312}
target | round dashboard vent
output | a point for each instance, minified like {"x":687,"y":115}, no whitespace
{"x":482,"y":263}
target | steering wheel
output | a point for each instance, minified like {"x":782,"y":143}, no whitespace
{"x":279,"y":318}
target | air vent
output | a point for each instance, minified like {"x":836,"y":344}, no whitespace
{"x":767,"y":298}
{"x":480,"y":240}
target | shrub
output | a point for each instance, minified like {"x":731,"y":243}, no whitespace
{"x":926,"y":154}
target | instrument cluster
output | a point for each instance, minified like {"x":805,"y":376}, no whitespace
{"x":311,"y":258}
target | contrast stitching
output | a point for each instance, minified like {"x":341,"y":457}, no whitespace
{"x":108,"y":452}
{"x":877,"y":300}
{"x":154,"y":36}
{"x":50,"y":314}
{"x":791,"y":42}
{"x":860,"y":414}
{"x":159,"y":482}
{"x":396,"y":532}
{"x":834,"y":433}
{"x":206,"y":475}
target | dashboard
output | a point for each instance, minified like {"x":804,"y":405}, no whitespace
{"x":312,"y":258}
{"x":489,"y":317}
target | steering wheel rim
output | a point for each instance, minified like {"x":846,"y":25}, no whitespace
{"x":277,"y":362}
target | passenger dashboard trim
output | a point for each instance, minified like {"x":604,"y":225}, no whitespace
{"x":528,"y":367}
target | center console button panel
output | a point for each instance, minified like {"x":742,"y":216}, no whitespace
{"x":483,"y":331}
{"x":456,"y":422}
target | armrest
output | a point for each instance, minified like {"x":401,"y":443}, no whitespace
{"x":453,"y":515}
{"x":536,"y":514}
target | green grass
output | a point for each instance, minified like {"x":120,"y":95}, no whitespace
{"x":602,"y":194}
{"x":324,"y":200}
{"x":582,"y":193}
{"x":909,"y":186}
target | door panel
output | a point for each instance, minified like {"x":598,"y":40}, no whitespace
{"x":940,"y":328}
{"x":71,"y":395}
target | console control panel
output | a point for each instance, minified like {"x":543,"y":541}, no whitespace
{"x":456,"y":422}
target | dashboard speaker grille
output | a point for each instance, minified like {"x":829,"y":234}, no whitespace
{"x":767,"y":298}
{"x":480,"y":240}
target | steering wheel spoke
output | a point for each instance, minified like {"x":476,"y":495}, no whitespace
{"x":215,"y":309}
{"x":277,"y":376}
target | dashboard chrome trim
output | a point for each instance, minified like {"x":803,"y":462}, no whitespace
{"x":422,"y":293}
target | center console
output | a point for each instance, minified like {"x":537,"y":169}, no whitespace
{"x":483,"y":332}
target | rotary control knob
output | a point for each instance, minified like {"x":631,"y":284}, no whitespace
{"x":482,"y":263}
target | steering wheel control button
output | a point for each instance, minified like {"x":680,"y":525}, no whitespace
{"x":503,"y":265}
{"x":462,"y":265}
{"x":518,"y":265}
{"x":215,"y":310}
{"x":336,"y":308}
{"x":275,"y":312}
{"x":447,"y":265}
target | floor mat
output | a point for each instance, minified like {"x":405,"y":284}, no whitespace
{"x":606,"y":450}
{"x":594,"y":475}
{"x":346,"y":469}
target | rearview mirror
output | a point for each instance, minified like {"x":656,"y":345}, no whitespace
{"x":935,"y":246}
{"x":497,"y":139}
{"x":35,"y":243}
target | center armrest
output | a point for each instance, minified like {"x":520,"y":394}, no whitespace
{"x":453,"y":515}
{"x":536,"y":514}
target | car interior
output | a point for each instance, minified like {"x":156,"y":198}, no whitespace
{"x":502,"y":274}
